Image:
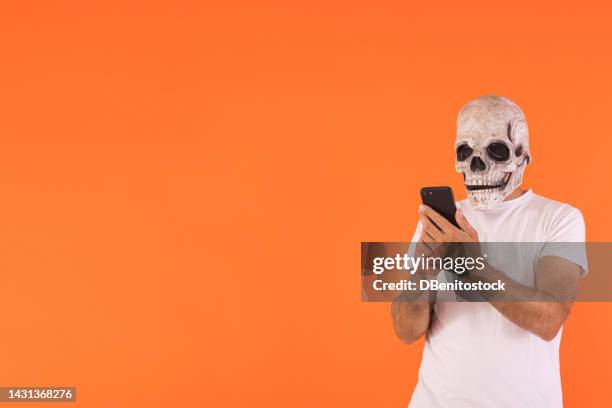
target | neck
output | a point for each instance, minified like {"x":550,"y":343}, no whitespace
{"x":515,"y":194}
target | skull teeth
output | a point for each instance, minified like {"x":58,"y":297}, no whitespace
{"x":480,"y":184}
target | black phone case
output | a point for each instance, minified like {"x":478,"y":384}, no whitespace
{"x":441,"y":200}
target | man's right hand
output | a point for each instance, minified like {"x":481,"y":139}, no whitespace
{"x":429,"y":250}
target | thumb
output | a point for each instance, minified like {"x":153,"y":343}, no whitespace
{"x":465,"y":225}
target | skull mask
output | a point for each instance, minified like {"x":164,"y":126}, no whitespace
{"x":492,"y":149}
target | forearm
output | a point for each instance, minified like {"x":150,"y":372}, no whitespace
{"x":534,"y":310}
{"x":411,"y":312}
{"x":544,"y":319}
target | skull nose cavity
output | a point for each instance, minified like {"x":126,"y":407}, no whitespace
{"x":477,"y":164}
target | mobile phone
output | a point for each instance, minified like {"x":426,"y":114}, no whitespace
{"x":441,"y":200}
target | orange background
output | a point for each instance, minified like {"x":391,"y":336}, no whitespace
{"x":185,"y":186}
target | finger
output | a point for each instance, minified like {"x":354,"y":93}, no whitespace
{"x":430,"y":228}
{"x":425,"y":238}
{"x":428,"y":238}
{"x":440,"y":221}
{"x":424,"y":247}
{"x":465,"y":225}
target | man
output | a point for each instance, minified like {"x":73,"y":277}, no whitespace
{"x":503,"y":351}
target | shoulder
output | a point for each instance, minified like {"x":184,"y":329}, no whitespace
{"x":556,"y":209}
{"x":564,"y":221}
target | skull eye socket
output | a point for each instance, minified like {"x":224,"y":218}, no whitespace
{"x":498,"y":151}
{"x":463,"y":152}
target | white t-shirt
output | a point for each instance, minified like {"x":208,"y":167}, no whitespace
{"x":473,"y":355}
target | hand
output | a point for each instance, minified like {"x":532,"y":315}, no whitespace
{"x":436,"y":229}
{"x":438,"y":232}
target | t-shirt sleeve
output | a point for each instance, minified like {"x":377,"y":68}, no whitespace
{"x":415,"y":239}
{"x":566,"y":238}
{"x":417,"y":232}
